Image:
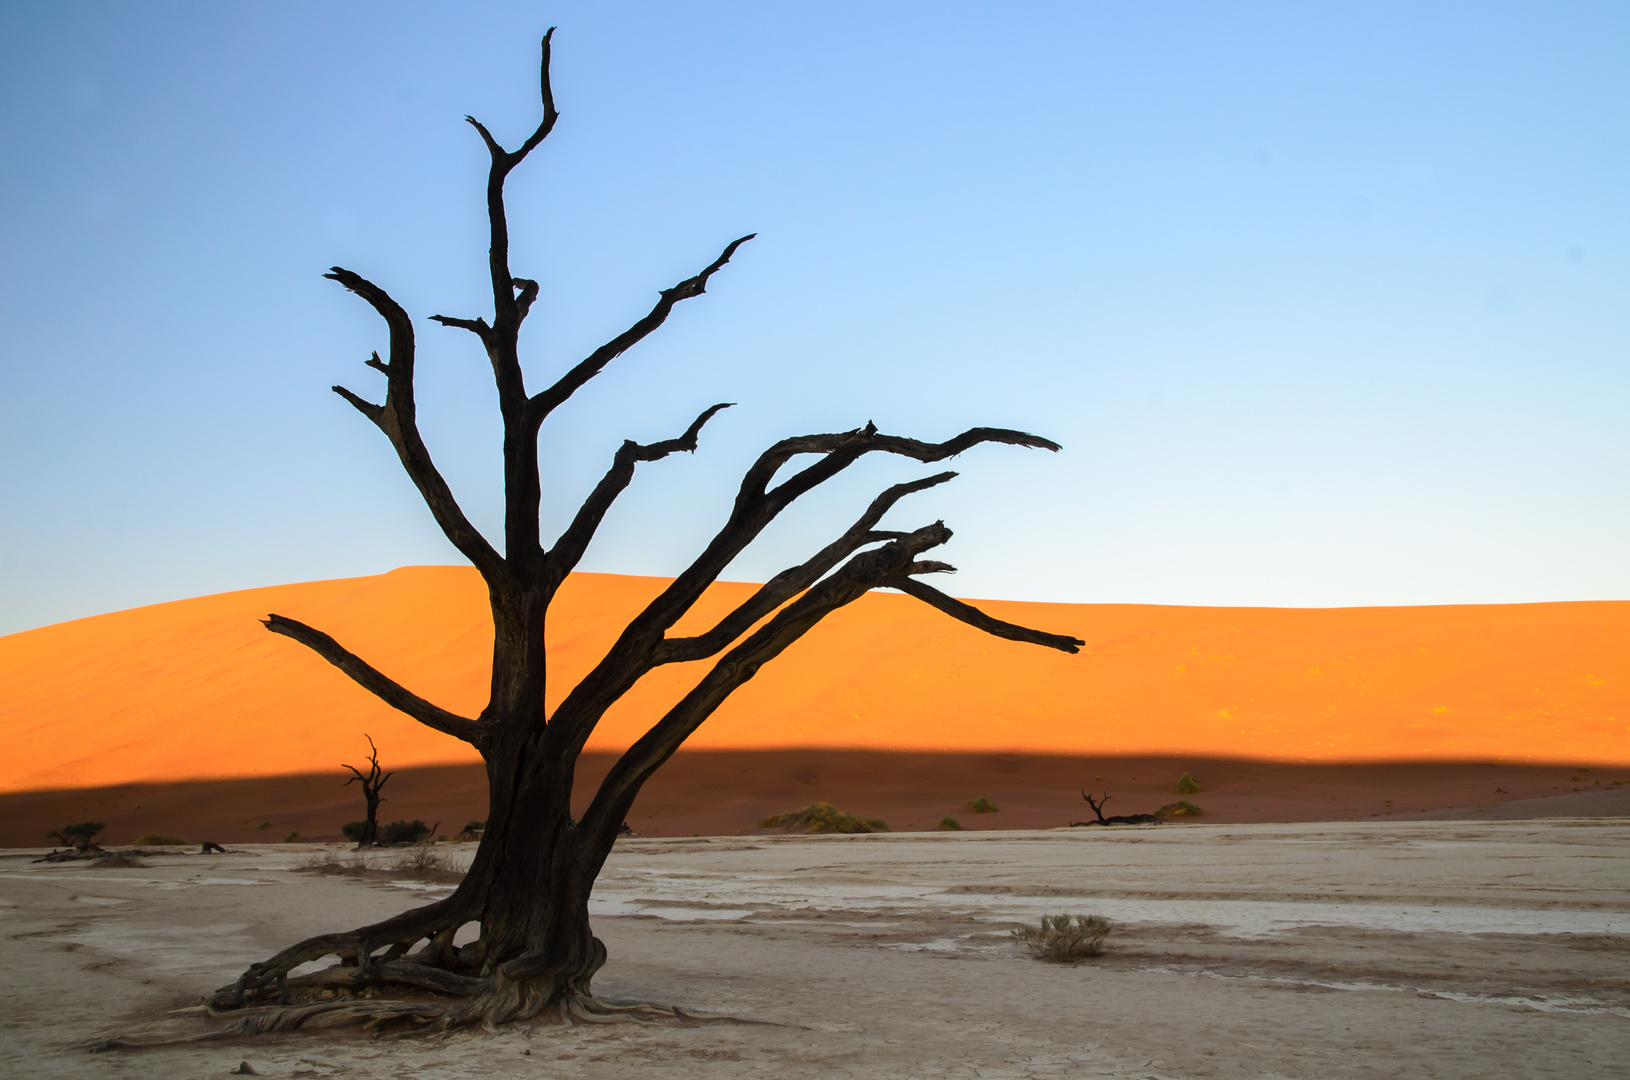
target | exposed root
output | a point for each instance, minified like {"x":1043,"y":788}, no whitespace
{"x":395,"y":1019}
{"x":316,"y":1016}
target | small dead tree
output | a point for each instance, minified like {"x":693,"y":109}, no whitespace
{"x":372,"y":781}
{"x":528,"y":885}
{"x":1120,"y":819}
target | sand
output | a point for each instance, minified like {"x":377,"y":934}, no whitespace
{"x":196,"y":689}
{"x":1337,"y":950}
{"x":722,"y":792}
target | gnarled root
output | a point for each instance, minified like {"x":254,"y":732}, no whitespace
{"x":433,"y":967}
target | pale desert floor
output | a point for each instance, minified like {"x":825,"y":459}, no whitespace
{"x":1432,"y":949}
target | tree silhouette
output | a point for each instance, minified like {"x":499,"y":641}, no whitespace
{"x":528,"y":886}
{"x":372,"y":781}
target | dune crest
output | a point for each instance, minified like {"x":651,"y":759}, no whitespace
{"x":197,"y":688}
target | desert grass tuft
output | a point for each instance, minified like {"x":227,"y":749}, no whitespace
{"x":423,"y":862}
{"x":1063,"y":938}
{"x":1187,"y":785}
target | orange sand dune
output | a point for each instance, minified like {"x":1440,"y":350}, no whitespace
{"x":197,"y":688}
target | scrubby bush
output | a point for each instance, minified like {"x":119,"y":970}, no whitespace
{"x":404,"y":832}
{"x":159,"y":839}
{"x":951,"y":823}
{"x":425,"y":863}
{"x":354,"y":831}
{"x":982,"y":805}
{"x":79,"y":837}
{"x":823,"y":818}
{"x":1063,"y":937}
{"x":1180,"y":808}
{"x":1187,"y":785}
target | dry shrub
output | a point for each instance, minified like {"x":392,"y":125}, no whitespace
{"x":159,"y":839}
{"x":1180,"y":808}
{"x":1062,"y":938}
{"x":328,"y":861}
{"x":823,"y":818}
{"x":423,"y":862}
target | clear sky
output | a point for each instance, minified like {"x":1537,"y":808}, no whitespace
{"x":1328,"y":303}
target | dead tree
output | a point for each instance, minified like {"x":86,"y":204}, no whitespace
{"x":372,"y":781}
{"x":1121,"y":819}
{"x":528,"y":885}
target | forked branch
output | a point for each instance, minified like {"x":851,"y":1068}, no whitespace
{"x":787,"y":584}
{"x":381,"y":686}
{"x":756,"y":506}
{"x":398,"y":419}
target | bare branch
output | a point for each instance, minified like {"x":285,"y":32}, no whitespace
{"x":550,"y":115}
{"x":398,"y":419}
{"x":493,"y":147}
{"x":973,"y":616}
{"x":781,"y":588}
{"x":376,"y":683}
{"x":367,"y":408}
{"x":568,"y":550}
{"x":547,"y":401}
{"x":478,"y":326}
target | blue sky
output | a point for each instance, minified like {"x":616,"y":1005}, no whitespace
{"x":1329,"y":304}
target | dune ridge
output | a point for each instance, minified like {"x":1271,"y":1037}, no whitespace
{"x":198,"y":689}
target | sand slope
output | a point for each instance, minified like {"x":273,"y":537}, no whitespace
{"x":197,"y":688}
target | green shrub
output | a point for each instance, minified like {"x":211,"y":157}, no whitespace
{"x":823,"y":818}
{"x":1180,"y":808}
{"x":353,"y":830}
{"x":292,"y":838}
{"x":404,"y":832}
{"x":159,"y":839}
{"x":982,"y":805}
{"x":1187,"y":785}
{"x":951,"y":823}
{"x":1059,"y":938}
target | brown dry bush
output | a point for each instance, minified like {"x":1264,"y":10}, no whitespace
{"x":423,"y":862}
{"x":1062,"y":938}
